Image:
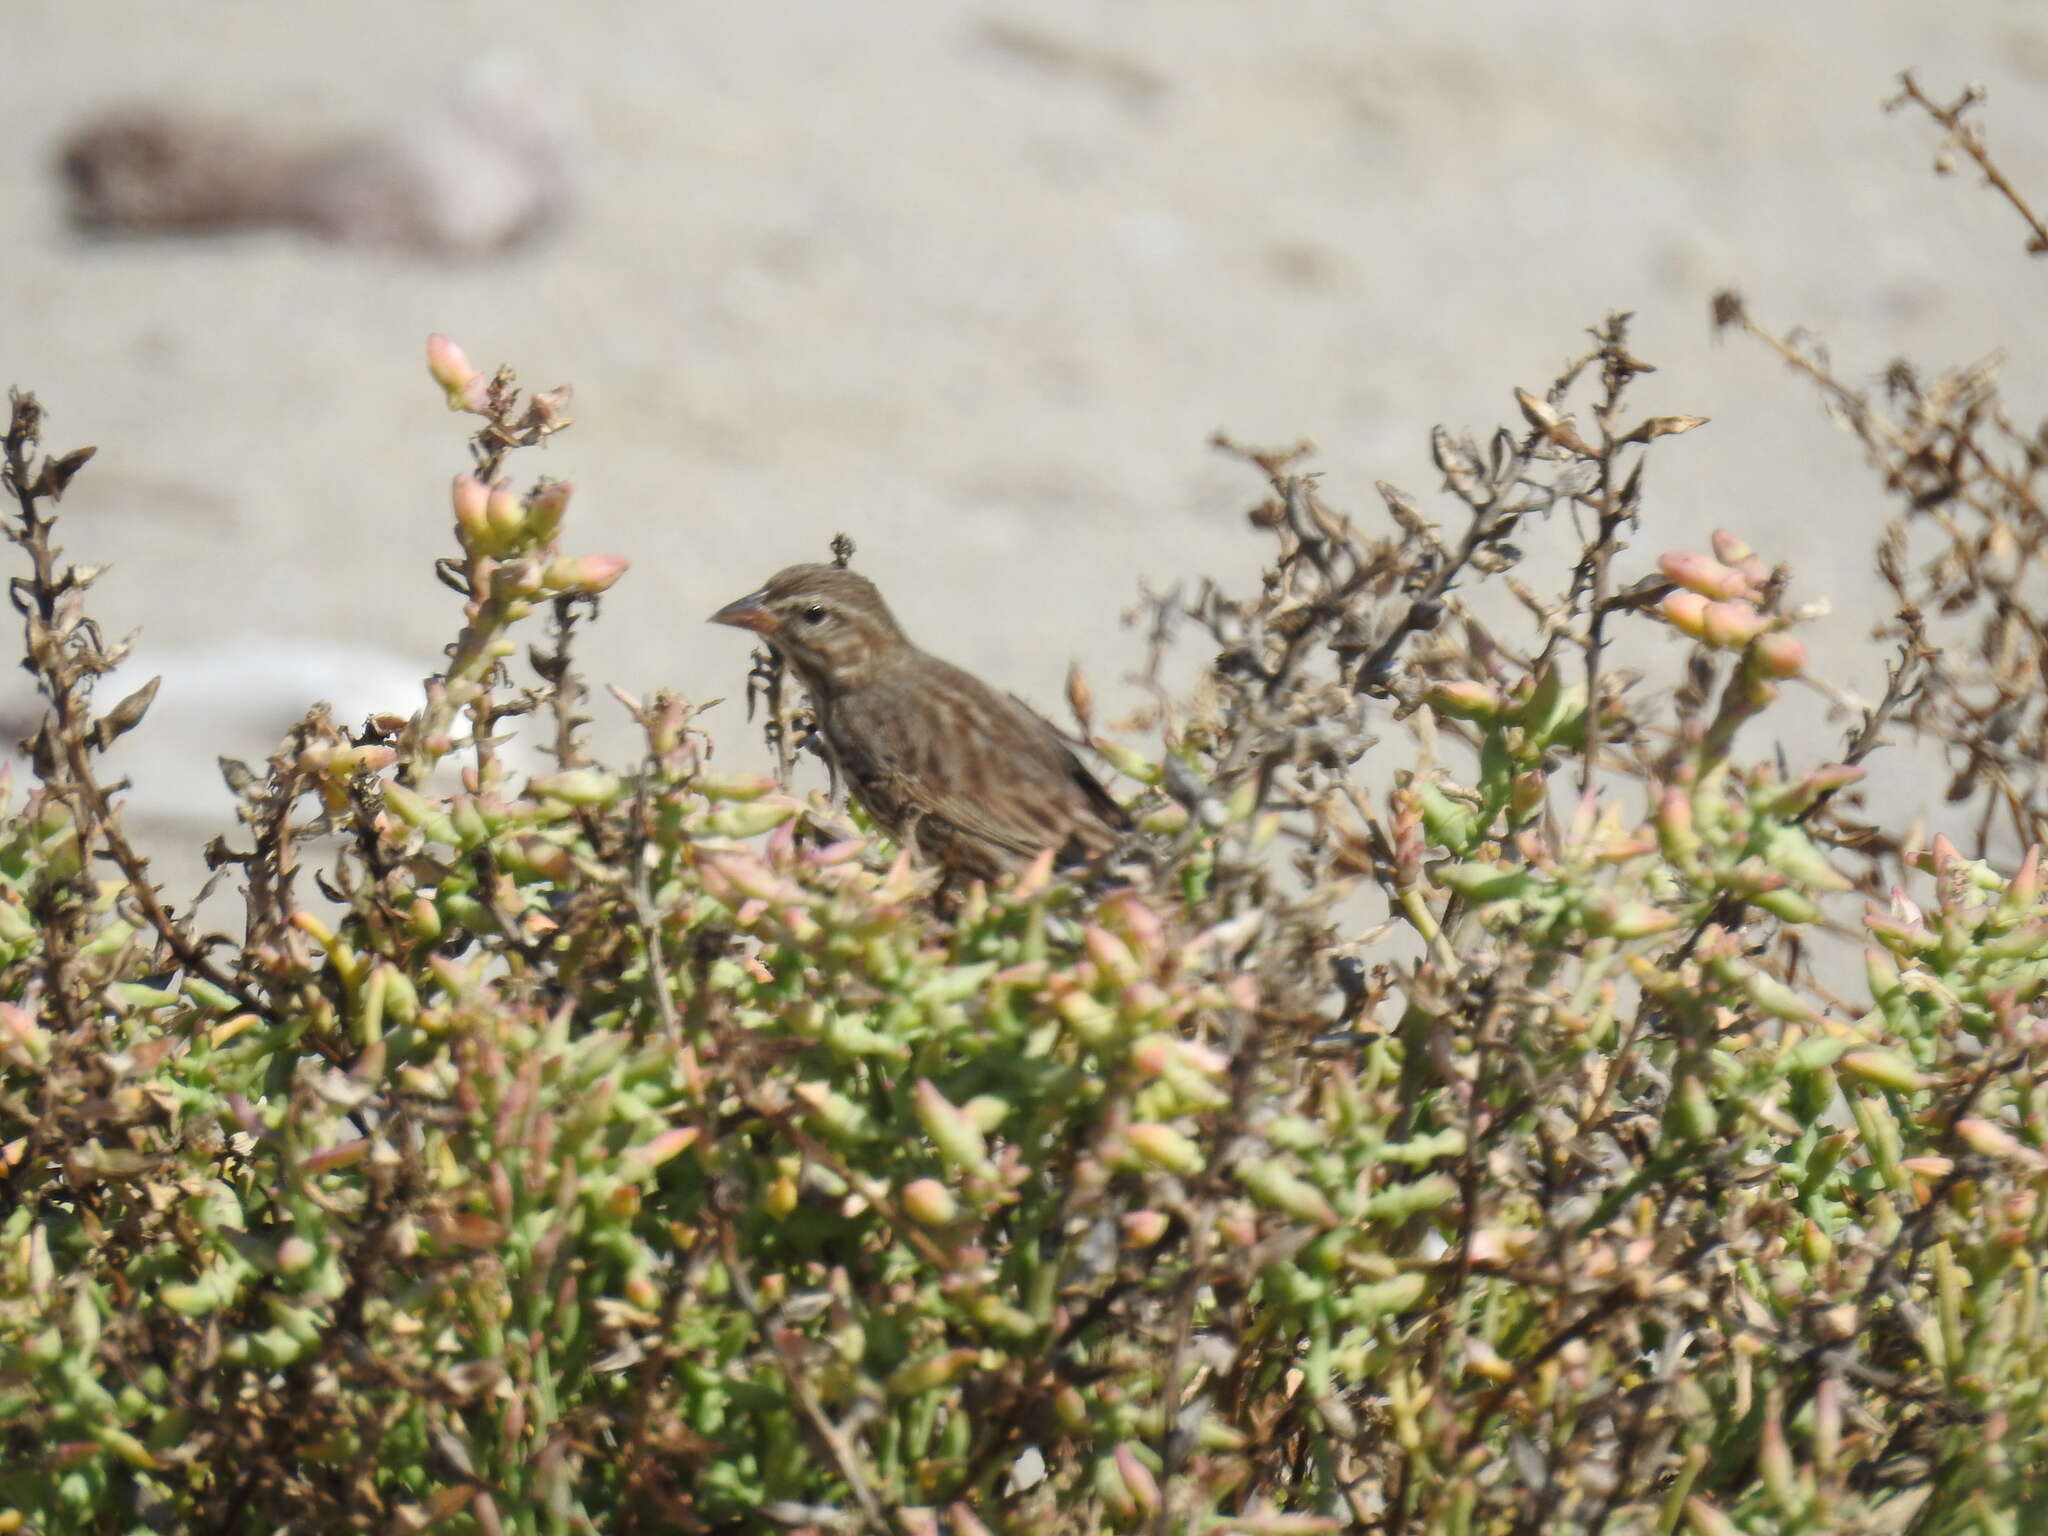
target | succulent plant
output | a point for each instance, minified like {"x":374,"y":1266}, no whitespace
{"x":1491,"y":1134}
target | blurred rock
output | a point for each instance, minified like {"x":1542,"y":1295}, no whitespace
{"x":482,"y":171}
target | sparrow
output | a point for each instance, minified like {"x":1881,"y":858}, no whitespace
{"x":964,"y":777}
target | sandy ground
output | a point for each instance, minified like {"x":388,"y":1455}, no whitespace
{"x":975,"y":282}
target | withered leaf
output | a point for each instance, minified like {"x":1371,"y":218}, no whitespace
{"x":57,"y":472}
{"x":1079,"y":698}
{"x":1459,"y":460}
{"x":1663,"y":426}
{"x":125,"y":716}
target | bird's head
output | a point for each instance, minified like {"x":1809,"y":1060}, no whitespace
{"x":828,"y":623}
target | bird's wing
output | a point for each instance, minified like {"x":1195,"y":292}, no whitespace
{"x":1100,"y":800}
{"x":981,"y":764}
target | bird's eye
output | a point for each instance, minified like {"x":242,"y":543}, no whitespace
{"x":815,"y":614}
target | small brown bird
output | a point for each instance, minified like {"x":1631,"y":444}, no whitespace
{"x":963,"y":776}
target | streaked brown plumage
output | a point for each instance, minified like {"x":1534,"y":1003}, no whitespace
{"x":965,"y":777}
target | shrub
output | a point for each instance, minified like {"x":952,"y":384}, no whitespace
{"x":650,"y":1148}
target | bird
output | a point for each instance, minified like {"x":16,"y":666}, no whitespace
{"x":962,"y":776}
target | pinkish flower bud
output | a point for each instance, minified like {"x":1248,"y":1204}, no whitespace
{"x":507,"y":515}
{"x":1988,"y":1139}
{"x":1151,"y":1056}
{"x":1687,"y":612}
{"x":1141,"y":926}
{"x":750,"y":819}
{"x":641,"y":1161}
{"x":744,"y":786}
{"x":1627,"y":919}
{"x":471,"y":498}
{"x":1676,"y":833}
{"x":1464,"y":699}
{"x":589,"y":574}
{"x":1165,"y":1147}
{"x":1708,"y":577}
{"x":1143,"y":1228}
{"x":295,"y":1254}
{"x":455,"y":373}
{"x":1729,"y":548}
{"x":1780,"y":654}
{"x":832,"y":855}
{"x":1089,"y":1019}
{"x":928,"y":1373}
{"x":549,"y":860}
{"x":930,"y":1202}
{"x":1138,"y":1479}
{"x":544,"y":511}
{"x":1882,"y":1069}
{"x":1141,"y":1001}
{"x":1821,"y":781}
{"x":1730,"y":624}
{"x":366,"y":759}
{"x":750,"y":877}
{"x":1110,"y":953}
{"x":2024,"y":889}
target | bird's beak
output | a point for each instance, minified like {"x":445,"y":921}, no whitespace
{"x":749,"y":612}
